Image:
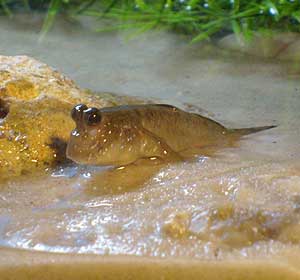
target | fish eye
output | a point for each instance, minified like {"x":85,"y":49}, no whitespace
{"x":77,"y":111}
{"x":92,"y":116}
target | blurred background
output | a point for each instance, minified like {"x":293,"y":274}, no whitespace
{"x":236,"y":60}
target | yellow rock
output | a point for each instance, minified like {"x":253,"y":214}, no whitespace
{"x":33,"y":135}
{"x":20,"y":89}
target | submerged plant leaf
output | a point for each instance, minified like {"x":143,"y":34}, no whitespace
{"x":236,"y":27}
{"x":296,"y":15}
{"x":199,"y":18}
{"x":5,"y":8}
{"x":53,"y":10}
{"x":272,"y":9}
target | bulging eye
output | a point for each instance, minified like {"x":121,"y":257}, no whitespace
{"x":77,"y":112}
{"x":92,"y":116}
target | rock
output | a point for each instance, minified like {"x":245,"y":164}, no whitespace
{"x":35,"y":122}
{"x":177,"y":226}
{"x":292,"y":52}
{"x":33,"y":135}
{"x":261,"y":45}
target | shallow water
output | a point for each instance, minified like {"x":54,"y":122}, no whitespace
{"x":241,"y":203}
{"x":210,"y":208}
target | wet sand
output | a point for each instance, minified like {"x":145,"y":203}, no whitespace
{"x":98,"y":267}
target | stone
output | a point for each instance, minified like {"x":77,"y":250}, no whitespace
{"x":261,"y":45}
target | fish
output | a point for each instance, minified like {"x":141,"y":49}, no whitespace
{"x":123,"y":135}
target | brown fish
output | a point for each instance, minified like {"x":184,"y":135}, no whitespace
{"x":123,"y":135}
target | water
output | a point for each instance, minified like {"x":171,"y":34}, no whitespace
{"x":242,"y":204}
{"x":210,"y":208}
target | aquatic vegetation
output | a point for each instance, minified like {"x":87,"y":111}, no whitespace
{"x":200,"y":18}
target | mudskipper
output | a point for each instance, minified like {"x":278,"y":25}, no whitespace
{"x":139,"y":139}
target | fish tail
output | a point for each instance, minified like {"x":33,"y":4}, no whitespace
{"x":250,"y":130}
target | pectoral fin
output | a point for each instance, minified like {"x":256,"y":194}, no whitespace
{"x":121,"y":179}
{"x":163,"y":150}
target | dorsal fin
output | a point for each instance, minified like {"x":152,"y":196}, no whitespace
{"x":167,"y":106}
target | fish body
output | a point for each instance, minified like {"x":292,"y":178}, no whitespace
{"x":125,"y":134}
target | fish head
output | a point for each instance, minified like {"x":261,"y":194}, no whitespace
{"x":102,"y":138}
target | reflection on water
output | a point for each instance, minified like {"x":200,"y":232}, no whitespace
{"x":208,"y":208}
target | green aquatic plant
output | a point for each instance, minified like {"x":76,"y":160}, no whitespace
{"x":200,"y":18}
